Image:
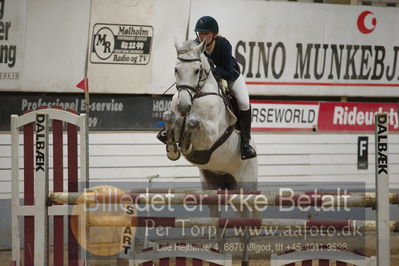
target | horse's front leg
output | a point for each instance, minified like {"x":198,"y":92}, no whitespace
{"x":172,"y":150}
{"x":192,"y":123}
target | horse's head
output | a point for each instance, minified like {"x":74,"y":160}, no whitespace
{"x":191,"y":71}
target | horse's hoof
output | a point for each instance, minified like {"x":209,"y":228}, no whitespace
{"x":244,"y":263}
{"x":187,"y":150}
{"x":173,"y":155}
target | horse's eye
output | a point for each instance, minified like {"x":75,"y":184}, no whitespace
{"x":196,"y":71}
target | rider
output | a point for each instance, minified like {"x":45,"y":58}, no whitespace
{"x":218,"y":49}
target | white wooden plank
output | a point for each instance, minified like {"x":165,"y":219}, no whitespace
{"x":136,"y":161}
{"x":5,"y":138}
{"x":288,"y":138}
{"x":263,"y":159}
{"x":272,"y":148}
{"x":264,"y":181}
{"x":124,"y":138}
{"x":156,"y":161}
{"x":259,"y":137}
{"x":314,"y":138}
{"x":163,"y":161}
{"x":5,"y":186}
{"x":138,"y":149}
{"x":108,"y":173}
{"x":5,"y":175}
{"x":268,"y":150}
{"x":299,"y":170}
{"x":368,"y":178}
{"x":5,"y":150}
{"x":134,"y":139}
{"x":323,"y":159}
{"x":312,"y":148}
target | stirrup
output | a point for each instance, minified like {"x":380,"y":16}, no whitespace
{"x":162,"y":136}
{"x":247,"y":152}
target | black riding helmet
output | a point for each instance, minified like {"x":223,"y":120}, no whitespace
{"x":207,"y":24}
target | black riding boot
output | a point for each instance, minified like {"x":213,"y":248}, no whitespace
{"x":162,"y":136}
{"x":247,"y":152}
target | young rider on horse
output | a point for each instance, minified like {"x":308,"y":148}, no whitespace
{"x":218,"y":49}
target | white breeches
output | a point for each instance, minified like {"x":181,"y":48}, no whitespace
{"x":240,"y":91}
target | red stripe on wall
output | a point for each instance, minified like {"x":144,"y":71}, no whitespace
{"x":322,"y":84}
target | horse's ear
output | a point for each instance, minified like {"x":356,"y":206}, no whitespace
{"x":177,"y":44}
{"x":200,"y":48}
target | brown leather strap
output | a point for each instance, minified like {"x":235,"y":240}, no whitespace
{"x":202,"y":157}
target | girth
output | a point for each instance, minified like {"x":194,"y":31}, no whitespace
{"x":203,"y":157}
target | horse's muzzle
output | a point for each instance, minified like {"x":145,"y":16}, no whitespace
{"x":184,"y":110}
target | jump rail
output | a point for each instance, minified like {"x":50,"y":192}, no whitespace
{"x":261,"y":199}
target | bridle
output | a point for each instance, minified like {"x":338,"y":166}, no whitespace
{"x":201,"y":80}
{"x":196,"y":92}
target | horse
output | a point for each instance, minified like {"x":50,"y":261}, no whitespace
{"x":201,"y":126}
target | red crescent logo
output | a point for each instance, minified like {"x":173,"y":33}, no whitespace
{"x":361,"y":19}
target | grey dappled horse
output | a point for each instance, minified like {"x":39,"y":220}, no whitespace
{"x":201,"y":127}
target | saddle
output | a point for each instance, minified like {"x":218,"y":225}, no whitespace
{"x":227,"y":94}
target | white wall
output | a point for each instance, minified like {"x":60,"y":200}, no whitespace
{"x":307,"y":157}
{"x":55,"y":46}
{"x":56,"y":34}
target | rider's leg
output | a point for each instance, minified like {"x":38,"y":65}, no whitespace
{"x":240,"y":91}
